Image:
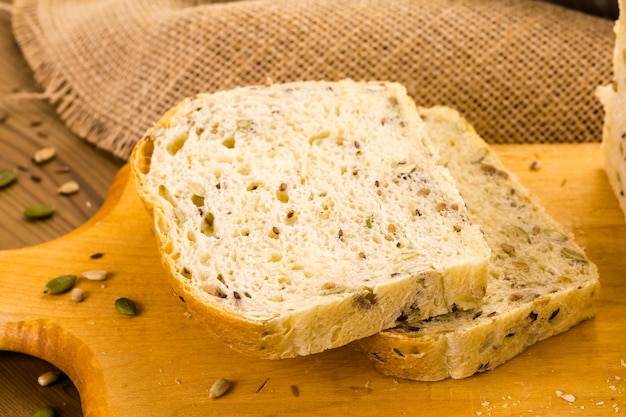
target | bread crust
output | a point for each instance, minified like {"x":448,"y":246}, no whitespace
{"x":525,"y":303}
{"x":333,"y":322}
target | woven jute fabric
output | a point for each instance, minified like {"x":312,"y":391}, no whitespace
{"x":519,"y":70}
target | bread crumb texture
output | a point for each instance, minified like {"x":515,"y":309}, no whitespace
{"x":318,"y":206}
{"x":613,"y":98}
{"x":541,"y":283}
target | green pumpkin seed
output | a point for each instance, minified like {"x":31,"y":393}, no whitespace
{"x":574,"y":255}
{"x":39,"y":211}
{"x":126,"y":306}
{"x":7,"y":177}
{"x":44,"y":411}
{"x":60,"y":284}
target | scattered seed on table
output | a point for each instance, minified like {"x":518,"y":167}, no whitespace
{"x":7,"y":177}
{"x":44,"y":155}
{"x":63,"y":170}
{"x":294,"y":390}
{"x":219,"y":388}
{"x":44,"y":411}
{"x":39,"y":211}
{"x":35,"y":178}
{"x":96,"y":255}
{"x":68,"y":188}
{"x":60,"y":284}
{"x":95,"y":275}
{"x":48,"y":378}
{"x":77,"y":295}
{"x":126,"y":306}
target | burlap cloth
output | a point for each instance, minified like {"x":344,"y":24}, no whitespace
{"x":519,"y":70}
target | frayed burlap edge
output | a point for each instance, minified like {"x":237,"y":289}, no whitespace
{"x":501,"y":116}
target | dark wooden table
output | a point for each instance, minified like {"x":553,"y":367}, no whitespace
{"x":27,"y":125}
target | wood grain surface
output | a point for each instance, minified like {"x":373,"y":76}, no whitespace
{"x":162,"y":363}
{"x":26,"y":125}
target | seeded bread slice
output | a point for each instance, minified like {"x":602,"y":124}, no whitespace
{"x":295,"y":218}
{"x":540,"y":281}
{"x":613,"y":98}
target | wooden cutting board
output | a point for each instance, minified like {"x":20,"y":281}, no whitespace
{"x":162,"y":363}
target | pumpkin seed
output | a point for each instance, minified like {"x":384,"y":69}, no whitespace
{"x":60,"y":284}
{"x":39,"y":211}
{"x":126,"y":306}
{"x":219,"y":388}
{"x":44,"y":411}
{"x":573,"y":255}
{"x":7,"y":177}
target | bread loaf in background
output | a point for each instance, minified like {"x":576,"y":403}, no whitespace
{"x":294,"y":218}
{"x":540,"y":281}
{"x":613,"y":98}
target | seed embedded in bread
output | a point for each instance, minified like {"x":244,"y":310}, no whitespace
{"x":319,"y":191}
{"x":540,"y":282}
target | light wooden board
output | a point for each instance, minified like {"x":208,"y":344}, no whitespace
{"x":161,"y":362}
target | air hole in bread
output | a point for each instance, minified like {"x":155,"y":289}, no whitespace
{"x":197,"y":200}
{"x":282,"y":195}
{"x":244,"y":169}
{"x":208,"y":224}
{"x":145,"y":149}
{"x":335,"y":336}
{"x":176,"y":144}
{"x":229,"y":142}
{"x":164,"y":192}
{"x":276,"y":257}
{"x":318,"y":136}
{"x":254,"y":185}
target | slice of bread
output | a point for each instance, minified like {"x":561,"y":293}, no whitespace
{"x":613,"y":98}
{"x":294,"y":218}
{"x":540,"y":282}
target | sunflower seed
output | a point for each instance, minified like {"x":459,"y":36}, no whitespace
{"x":44,"y":155}
{"x":77,"y":295}
{"x":95,"y":275}
{"x":573,"y":255}
{"x":219,"y":388}
{"x":48,"y":378}
{"x":68,"y":188}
